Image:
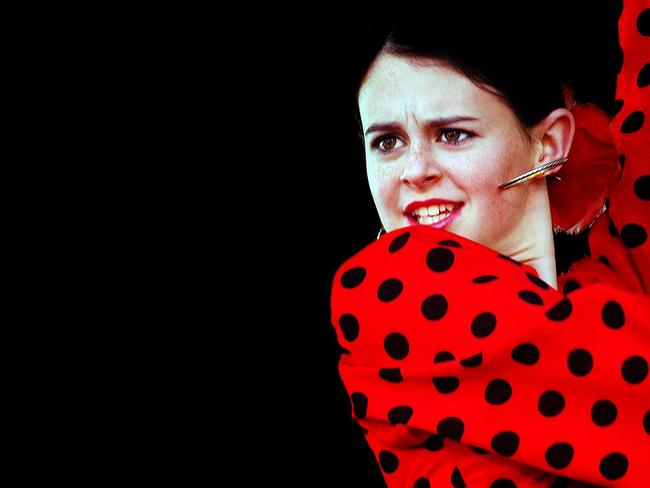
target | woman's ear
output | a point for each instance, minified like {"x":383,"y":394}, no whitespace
{"x":554,"y":135}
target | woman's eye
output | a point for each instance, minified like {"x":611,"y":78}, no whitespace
{"x":453,"y":136}
{"x":385,"y":143}
{"x":388,"y":143}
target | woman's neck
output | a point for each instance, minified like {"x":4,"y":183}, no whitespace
{"x":532,"y":242}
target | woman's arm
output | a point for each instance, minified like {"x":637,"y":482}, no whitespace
{"x":445,"y":337}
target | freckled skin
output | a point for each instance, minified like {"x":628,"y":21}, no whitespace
{"x":423,"y":164}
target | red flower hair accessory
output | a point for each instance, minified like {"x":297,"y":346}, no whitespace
{"x":578,"y":195}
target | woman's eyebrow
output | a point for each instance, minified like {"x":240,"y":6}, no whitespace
{"x":390,"y":126}
{"x":449,"y":120}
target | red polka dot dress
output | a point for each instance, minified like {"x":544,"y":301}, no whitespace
{"x":465,"y":369}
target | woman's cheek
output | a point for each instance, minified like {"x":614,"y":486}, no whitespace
{"x":383,"y":179}
{"x":385,"y":187}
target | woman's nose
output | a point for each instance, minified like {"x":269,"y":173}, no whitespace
{"x":420,"y":168}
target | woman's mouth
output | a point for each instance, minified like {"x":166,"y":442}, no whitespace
{"x":435,"y":215}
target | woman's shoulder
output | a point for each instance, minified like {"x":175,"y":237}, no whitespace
{"x":606,"y":259}
{"x":419,"y":256}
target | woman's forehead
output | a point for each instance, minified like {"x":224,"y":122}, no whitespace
{"x":395,"y":86}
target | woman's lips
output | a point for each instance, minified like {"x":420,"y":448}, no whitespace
{"x":441,"y":223}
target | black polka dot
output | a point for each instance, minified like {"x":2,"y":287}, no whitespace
{"x":644,"y":76}
{"x":434,"y":307}
{"x":635,"y":369}
{"x":537,"y":281}
{"x":605,"y":261}
{"x":457,"y":480}
{"x":349,"y":327}
{"x":392,"y":375}
{"x":603,"y":413}
{"x":633,"y":235}
{"x":632,"y":122}
{"x":449,"y":243}
{"x":551,"y":403}
{"x":388,"y":462}
{"x":400,"y":415}
{"x":570,"y":285}
{"x":389,"y":290}
{"x":614,"y":466}
{"x":440,"y":259}
{"x":399,"y":242}
{"x":527,"y":354}
{"x":559,"y":455}
{"x":618,"y":105}
{"x":422,"y":483}
{"x":359,"y":404}
{"x":613,"y":231}
{"x":446,"y":384}
{"x":483,"y":325}
{"x":443,"y":356}
{"x":478,"y":450}
{"x":472,"y":361}
{"x":642,"y":187}
{"x":353,"y":277}
{"x":531,"y":297}
{"x":503,"y":483}
{"x":561,"y":482}
{"x":505,"y":443}
{"x":580,"y":362}
{"x":643,"y":22}
{"x":508,"y":258}
{"x":560,"y":311}
{"x":613,"y":315}
{"x":484,"y":279}
{"x":452,"y":428}
{"x":434,"y":442}
{"x":497,"y":392}
{"x":396,"y":345}
{"x":646,"y":422}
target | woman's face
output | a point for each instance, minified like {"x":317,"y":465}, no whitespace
{"x":437,"y":146}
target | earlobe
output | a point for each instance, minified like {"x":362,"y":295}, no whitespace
{"x":556,"y":132}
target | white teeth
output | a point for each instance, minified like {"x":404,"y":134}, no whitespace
{"x":431,"y":220}
{"x":433,"y":210}
{"x":433,"y":213}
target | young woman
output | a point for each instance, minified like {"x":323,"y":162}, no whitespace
{"x":467,"y":360}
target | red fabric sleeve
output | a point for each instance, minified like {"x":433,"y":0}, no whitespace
{"x":630,"y":200}
{"x":447,"y":338}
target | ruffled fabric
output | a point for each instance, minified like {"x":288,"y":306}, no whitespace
{"x":466,"y":369}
